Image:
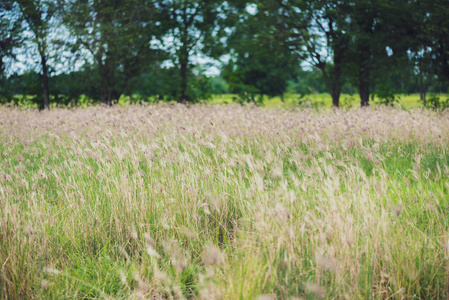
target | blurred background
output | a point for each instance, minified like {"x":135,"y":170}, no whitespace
{"x":267,"y":52}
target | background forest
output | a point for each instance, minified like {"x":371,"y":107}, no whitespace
{"x":78,"y":52}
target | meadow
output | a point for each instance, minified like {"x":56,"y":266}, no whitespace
{"x":316,"y":100}
{"x":324,"y":100}
{"x":168,"y":201}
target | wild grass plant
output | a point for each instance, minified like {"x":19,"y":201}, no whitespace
{"x":223,"y":202}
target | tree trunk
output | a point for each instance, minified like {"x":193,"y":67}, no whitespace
{"x":336,"y":83}
{"x":103,"y":83}
{"x":422,"y":95}
{"x":335,"y":94}
{"x":110,"y":98}
{"x":422,"y":88}
{"x":333,"y":86}
{"x":109,"y":90}
{"x":364,"y":93}
{"x":116,"y":96}
{"x":364,"y":85}
{"x":45,"y":82}
{"x":106,"y":95}
{"x":1,"y":66}
{"x":104,"y":100}
{"x":183,"y":74}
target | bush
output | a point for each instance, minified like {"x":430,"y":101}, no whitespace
{"x":387,"y":97}
{"x":434,"y":102}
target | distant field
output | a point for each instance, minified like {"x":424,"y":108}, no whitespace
{"x":290,"y":100}
{"x":408,"y":101}
{"x":170,"y":201}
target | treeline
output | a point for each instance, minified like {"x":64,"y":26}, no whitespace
{"x":103,"y":49}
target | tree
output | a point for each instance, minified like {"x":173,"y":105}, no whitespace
{"x":10,"y":31}
{"x":307,"y":82}
{"x":10,"y":38}
{"x":380,"y":34}
{"x":327,"y":41}
{"x":264,"y":49}
{"x":363,"y":28}
{"x":37,"y":15}
{"x":194,"y":28}
{"x":118,"y":36}
{"x":434,"y":34}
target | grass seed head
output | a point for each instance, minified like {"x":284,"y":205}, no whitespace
{"x":397,"y":210}
{"x":212,"y":255}
{"x":314,"y":288}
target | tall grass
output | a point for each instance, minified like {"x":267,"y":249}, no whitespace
{"x":223,"y":202}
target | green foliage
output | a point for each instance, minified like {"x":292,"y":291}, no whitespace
{"x":165,"y":84}
{"x":433,"y":35}
{"x":305,"y":102}
{"x":194,"y":27}
{"x":307,"y":82}
{"x":101,"y":50}
{"x":386,"y":96}
{"x":72,"y":88}
{"x":248,"y":98}
{"x":6,"y":93}
{"x":117,"y":35}
{"x":37,"y":15}
{"x":388,"y":99}
{"x":436,"y":103}
{"x":218,"y":86}
{"x":262,"y":62}
{"x":27,"y":89}
{"x":347,"y":102}
{"x":199,"y":88}
{"x":10,"y":35}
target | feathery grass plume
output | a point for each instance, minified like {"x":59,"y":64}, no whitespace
{"x":212,"y":255}
{"x":267,"y":297}
{"x":397,"y":209}
{"x":51,"y":271}
{"x":315,"y":289}
{"x":151,"y":252}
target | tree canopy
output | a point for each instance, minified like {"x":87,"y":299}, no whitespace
{"x":103,"y":49}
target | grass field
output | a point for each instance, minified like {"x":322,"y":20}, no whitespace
{"x":223,"y":202}
{"x":324,"y":100}
{"x":320,"y":101}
